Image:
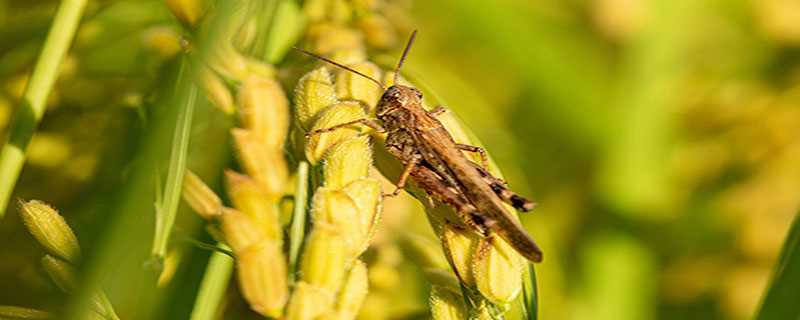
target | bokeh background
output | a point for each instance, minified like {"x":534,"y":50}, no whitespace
{"x":659,"y":138}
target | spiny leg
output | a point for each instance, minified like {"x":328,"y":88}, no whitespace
{"x":479,"y":150}
{"x":501,"y":189}
{"x":401,"y":183}
{"x":367,"y":122}
{"x":439,"y":190}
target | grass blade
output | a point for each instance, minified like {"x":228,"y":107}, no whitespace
{"x":530,"y":294}
{"x":297,"y":232}
{"x":215,"y":282}
{"x":168,"y":209}
{"x":31,"y":109}
{"x":780,"y":299}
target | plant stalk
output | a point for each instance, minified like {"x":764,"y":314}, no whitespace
{"x":32,"y":107}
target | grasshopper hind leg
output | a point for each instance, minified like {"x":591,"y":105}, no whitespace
{"x":501,"y":189}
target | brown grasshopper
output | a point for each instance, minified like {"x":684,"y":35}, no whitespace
{"x":437,"y":164}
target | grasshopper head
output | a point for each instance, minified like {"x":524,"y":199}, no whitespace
{"x":397,"y":98}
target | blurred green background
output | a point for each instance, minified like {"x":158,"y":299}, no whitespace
{"x":660,"y":139}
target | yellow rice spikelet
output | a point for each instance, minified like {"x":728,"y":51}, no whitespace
{"x":264,"y":110}
{"x":314,"y":92}
{"x":263,"y":278}
{"x":318,"y":145}
{"x":350,"y":86}
{"x":216,"y":91}
{"x":261,"y":263}
{"x":337,"y":210}
{"x":324,"y":259}
{"x":60,"y":271}
{"x":50,"y":230}
{"x":329,"y":38}
{"x":378,"y":31}
{"x":309,"y":302}
{"x":188,"y":12}
{"x":497,"y":271}
{"x":268,"y":168}
{"x":347,"y":161}
{"x":200,"y":197}
{"x":249,"y":197}
{"x":459,"y":246}
{"x":366,"y":194}
{"x":447,"y":304}
{"x":353,"y":293}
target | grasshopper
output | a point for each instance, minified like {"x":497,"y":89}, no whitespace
{"x":436,"y":163}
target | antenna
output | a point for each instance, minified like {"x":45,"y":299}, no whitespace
{"x":340,"y":66}
{"x":403,"y":57}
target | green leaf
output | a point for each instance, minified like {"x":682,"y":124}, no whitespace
{"x":780,"y":299}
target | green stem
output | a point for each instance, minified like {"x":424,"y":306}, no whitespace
{"x":212,"y":289}
{"x":167,"y":210}
{"x":297,"y":232}
{"x":31,"y":109}
{"x":530,"y":294}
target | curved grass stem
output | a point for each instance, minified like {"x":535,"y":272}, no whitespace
{"x":32,"y":106}
{"x":212,"y":288}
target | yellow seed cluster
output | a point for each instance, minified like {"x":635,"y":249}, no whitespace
{"x":63,"y":252}
{"x":346,"y":206}
{"x":237,"y":84}
{"x":344,"y":209}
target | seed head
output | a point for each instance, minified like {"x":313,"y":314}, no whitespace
{"x":330,"y":37}
{"x":268,"y":167}
{"x":459,"y":246}
{"x":50,"y":230}
{"x":249,"y":198}
{"x":318,"y":145}
{"x":378,"y":31}
{"x":447,"y":304}
{"x":309,"y":302}
{"x":200,"y":197}
{"x":60,"y":272}
{"x":314,"y":92}
{"x":240,"y":231}
{"x":347,"y":161}
{"x":324,"y":258}
{"x":497,"y":271}
{"x":350,"y":86}
{"x":188,"y":12}
{"x":353,"y":293}
{"x":366,"y":194}
{"x":264,"y":110}
{"x":216,"y":91}
{"x":263,"y":278}
{"x":335,"y":209}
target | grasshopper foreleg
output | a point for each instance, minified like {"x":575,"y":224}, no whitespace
{"x":437,"y":111}
{"x":367,"y":122}
{"x":480,"y":151}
